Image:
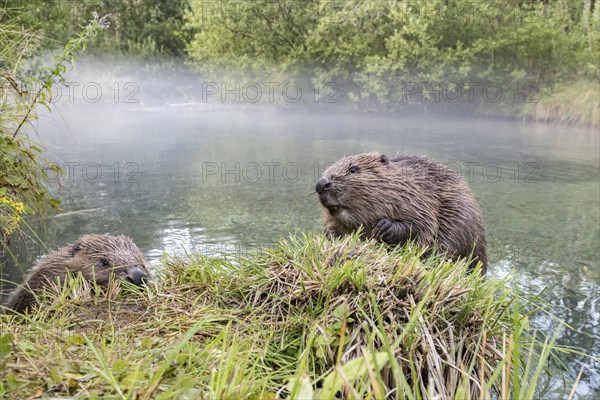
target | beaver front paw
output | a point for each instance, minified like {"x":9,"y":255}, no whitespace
{"x":329,"y":234}
{"x":390,"y":232}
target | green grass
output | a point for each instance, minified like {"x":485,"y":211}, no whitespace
{"x":575,"y":103}
{"x":307,"y":319}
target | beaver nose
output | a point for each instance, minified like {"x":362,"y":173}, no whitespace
{"x":322,"y":185}
{"x":137,"y":277}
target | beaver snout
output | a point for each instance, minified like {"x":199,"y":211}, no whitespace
{"x":322,"y":185}
{"x":137,"y":277}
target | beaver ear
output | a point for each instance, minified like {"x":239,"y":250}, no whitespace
{"x":384,"y":159}
{"x":76,"y":248}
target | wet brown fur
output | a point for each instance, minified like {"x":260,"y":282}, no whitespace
{"x":423,"y":201}
{"x":97,"y":258}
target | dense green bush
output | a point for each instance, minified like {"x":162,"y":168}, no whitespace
{"x":144,"y":28}
{"x":390,"y":53}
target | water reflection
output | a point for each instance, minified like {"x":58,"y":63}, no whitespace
{"x":190,"y":242}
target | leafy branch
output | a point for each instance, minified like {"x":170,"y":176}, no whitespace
{"x":68,"y":56}
{"x":22,"y":190}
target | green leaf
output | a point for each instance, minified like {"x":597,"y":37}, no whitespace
{"x":6,"y":345}
{"x":56,"y":168}
{"x":75,"y":339}
{"x":54,"y":202}
{"x":301,"y":388}
{"x":119,"y":366}
{"x":133,"y":378}
{"x":350,"y":371}
{"x":341,"y":311}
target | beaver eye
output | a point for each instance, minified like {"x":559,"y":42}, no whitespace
{"x":353,"y":169}
{"x":105,"y":262}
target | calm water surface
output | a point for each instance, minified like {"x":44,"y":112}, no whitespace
{"x":181,"y":180}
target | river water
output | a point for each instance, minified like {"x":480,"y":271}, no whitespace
{"x":189,"y":178}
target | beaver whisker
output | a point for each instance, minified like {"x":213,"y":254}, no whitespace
{"x":126,"y":267}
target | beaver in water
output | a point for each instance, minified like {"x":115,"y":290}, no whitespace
{"x":403,"y":198}
{"x":97,"y":257}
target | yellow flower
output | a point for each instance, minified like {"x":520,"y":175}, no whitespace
{"x":10,"y":215}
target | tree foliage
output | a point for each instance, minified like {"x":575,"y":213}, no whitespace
{"x":371,"y":49}
{"x":145,"y":28}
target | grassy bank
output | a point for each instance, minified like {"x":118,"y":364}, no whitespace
{"x":307,"y":319}
{"x":577,"y":103}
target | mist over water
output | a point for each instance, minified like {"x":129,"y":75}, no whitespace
{"x":152,"y":160}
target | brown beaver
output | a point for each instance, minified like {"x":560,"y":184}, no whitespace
{"x":97,"y":257}
{"x":403,"y":198}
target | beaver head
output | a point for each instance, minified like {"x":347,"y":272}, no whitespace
{"x":98,"y":257}
{"x":355,"y":189}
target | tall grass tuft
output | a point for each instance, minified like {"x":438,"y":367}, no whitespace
{"x":576,"y":103}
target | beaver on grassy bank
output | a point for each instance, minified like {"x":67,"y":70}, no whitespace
{"x":403,"y":198}
{"x":97,"y":257}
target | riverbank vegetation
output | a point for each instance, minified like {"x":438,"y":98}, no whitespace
{"x":516,"y":58}
{"x":23,"y":88}
{"x":309,"y":318}
{"x":520,"y":59}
